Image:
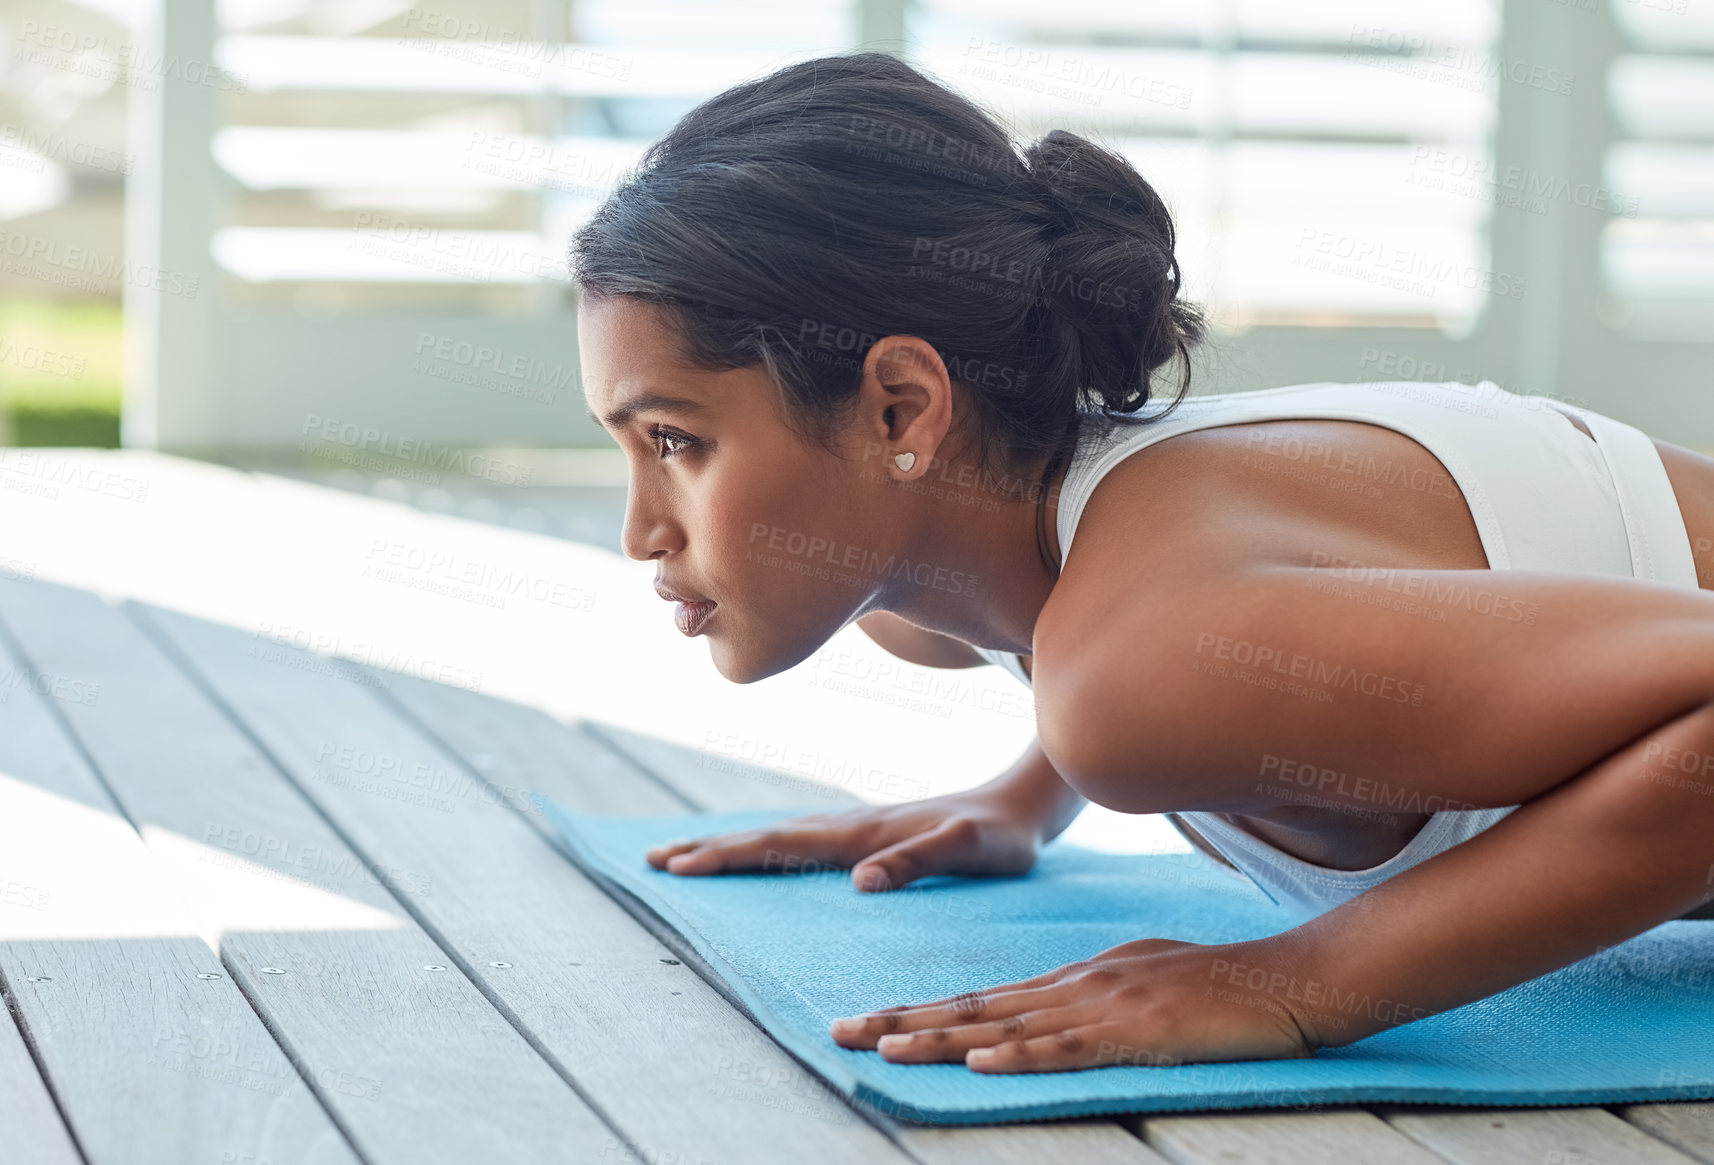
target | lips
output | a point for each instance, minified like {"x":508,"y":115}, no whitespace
{"x":691,"y":616}
{"x":673,"y":596}
{"x":691,"y":612}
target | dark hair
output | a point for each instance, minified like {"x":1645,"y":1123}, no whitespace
{"x":791,"y":221}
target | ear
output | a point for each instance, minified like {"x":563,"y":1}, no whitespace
{"x":904,"y":405}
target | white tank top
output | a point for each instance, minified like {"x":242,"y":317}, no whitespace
{"x":1543,"y":495}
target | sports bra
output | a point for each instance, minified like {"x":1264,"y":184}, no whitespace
{"x":1544,"y":496}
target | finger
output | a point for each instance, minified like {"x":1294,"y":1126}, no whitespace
{"x":795,"y":851}
{"x":931,"y":852}
{"x":864,"y":1031}
{"x":658,"y":855}
{"x":949,"y":1044}
{"x":1086,"y":1046}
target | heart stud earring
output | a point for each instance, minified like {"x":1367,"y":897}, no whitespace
{"x":905,"y":460}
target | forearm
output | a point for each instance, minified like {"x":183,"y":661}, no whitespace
{"x":1605,"y":856}
{"x":1036,"y":788}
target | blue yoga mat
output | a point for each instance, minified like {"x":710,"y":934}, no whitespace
{"x":1633,"y":1023}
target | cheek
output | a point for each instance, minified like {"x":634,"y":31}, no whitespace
{"x":767,"y":531}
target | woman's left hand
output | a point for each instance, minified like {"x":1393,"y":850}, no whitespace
{"x":1154,"y":1002}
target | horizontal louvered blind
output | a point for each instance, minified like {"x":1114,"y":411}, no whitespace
{"x":443,"y":153}
{"x":1657,"y":253}
{"x":1328,"y":162}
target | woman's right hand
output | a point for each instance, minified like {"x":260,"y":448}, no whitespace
{"x":885,"y":846}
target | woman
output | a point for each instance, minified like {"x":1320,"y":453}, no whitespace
{"x":1429,"y":662}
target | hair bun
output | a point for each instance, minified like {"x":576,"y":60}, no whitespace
{"x":1112,"y":277}
{"x":789,"y":222}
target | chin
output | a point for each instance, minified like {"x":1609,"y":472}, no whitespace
{"x":739,"y":670}
{"x":753,"y":661}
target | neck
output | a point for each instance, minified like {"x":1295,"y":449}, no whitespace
{"x":975,"y":568}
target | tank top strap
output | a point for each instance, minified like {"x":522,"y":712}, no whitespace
{"x":1425,"y":412}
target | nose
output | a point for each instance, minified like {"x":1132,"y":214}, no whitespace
{"x":649,"y":530}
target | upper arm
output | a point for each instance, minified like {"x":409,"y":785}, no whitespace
{"x":916,"y":645}
{"x":1480,"y":688}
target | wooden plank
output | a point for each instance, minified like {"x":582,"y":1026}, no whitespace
{"x":1687,"y":1126}
{"x":1094,"y":1141}
{"x":1575,"y":1136}
{"x":34,"y":1130}
{"x":709,"y":780}
{"x":391,"y":1035}
{"x":724,"y":783}
{"x":1283,"y":1138}
{"x":642,"y":1036}
{"x":150,"y":1048}
{"x":1299,"y":1136}
{"x":535,"y":751}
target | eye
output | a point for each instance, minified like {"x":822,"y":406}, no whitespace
{"x":685,"y":441}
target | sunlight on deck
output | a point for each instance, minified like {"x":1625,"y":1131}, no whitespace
{"x":570,"y":628}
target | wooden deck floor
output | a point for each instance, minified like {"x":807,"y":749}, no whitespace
{"x":260,"y":907}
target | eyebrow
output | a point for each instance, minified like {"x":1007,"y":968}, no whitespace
{"x":645,"y":402}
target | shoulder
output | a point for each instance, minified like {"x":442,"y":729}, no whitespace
{"x":1274,"y":491}
{"x":1191,"y":533}
{"x":1160,"y":527}
{"x":1194,"y":635}
{"x":1178,"y":508}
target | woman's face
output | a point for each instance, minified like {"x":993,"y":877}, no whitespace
{"x":727,"y":501}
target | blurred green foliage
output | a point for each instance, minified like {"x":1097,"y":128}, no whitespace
{"x":60,"y":365}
